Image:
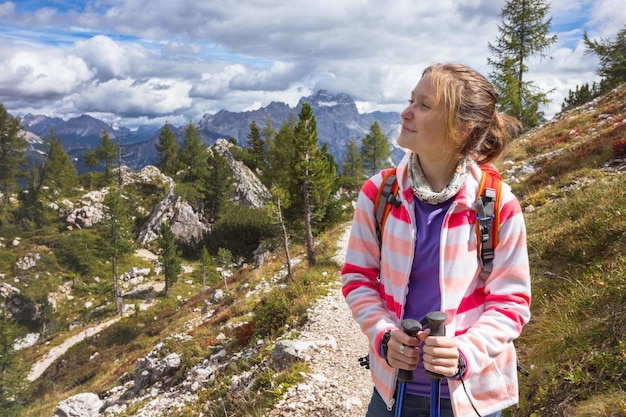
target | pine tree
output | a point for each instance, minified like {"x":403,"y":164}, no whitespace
{"x":106,"y":151}
{"x":524,"y":33}
{"x":218,"y":186}
{"x":256,"y":145}
{"x":12,"y":159}
{"x":170,"y":256}
{"x":167,"y":150}
{"x":583,"y":94}
{"x":612,"y":57}
{"x":353,"y":173}
{"x":193,"y":155}
{"x":375,"y":150}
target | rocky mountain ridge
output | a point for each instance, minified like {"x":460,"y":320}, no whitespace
{"x":337,"y":116}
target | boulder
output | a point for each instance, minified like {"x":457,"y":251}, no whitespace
{"x":28,"y":261}
{"x":287,"y":352}
{"x":81,"y":405}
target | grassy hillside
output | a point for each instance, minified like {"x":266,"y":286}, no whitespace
{"x":258,"y":305}
{"x":575,"y":346}
{"x":568,"y":179}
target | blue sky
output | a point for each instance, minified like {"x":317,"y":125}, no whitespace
{"x":139,"y":62}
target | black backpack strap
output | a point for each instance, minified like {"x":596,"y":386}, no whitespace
{"x":485,"y":213}
{"x":388,"y":198}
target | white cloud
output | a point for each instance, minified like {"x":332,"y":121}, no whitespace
{"x":131,"y":62}
{"x":7,"y":10}
{"x":278,"y":77}
{"x":216,"y":85}
{"x":153,"y":97}
{"x":608,"y":17}
{"x":41,"y":74}
{"x":106,"y":57}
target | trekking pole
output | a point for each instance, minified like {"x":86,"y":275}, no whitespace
{"x":410,"y":327}
{"x":436,"y":320}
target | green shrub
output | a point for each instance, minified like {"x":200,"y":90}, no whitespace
{"x":272,"y":313}
{"x":121,"y":333}
{"x":241,"y":230}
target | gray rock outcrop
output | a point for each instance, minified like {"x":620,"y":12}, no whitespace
{"x":89,"y":210}
{"x":150,"y":369}
{"x":186,"y":225}
{"x":249,"y":190}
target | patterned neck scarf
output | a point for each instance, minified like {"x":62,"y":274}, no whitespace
{"x":423,"y":191}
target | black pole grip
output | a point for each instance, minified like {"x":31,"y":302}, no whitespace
{"x":410,"y":327}
{"x":436,"y":320}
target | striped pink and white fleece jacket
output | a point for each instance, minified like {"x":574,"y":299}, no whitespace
{"x":485,"y":316}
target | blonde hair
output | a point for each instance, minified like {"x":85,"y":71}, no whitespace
{"x":470,"y":101}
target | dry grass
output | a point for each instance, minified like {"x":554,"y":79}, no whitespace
{"x":575,"y":345}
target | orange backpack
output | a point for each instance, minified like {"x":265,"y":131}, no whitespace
{"x":487,"y":210}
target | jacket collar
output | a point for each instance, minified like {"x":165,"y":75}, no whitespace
{"x":467,"y":194}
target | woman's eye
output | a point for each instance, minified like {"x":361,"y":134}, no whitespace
{"x":411,"y":101}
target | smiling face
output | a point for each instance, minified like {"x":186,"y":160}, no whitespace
{"x":424,"y":124}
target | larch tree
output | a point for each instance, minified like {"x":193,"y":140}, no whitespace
{"x":90,"y":158}
{"x":268,"y":131}
{"x":312,"y":177}
{"x":54,"y":177}
{"x":116,"y":238}
{"x":13,"y":386}
{"x":375,"y":150}
{"x":280,"y":155}
{"x":170,"y":256}
{"x":58,"y":172}
{"x":204,"y":267}
{"x":524,"y":32}
{"x":31,"y":207}
{"x":305,"y":150}
{"x":325,"y":184}
{"x":106,"y":151}
{"x":612,"y":55}
{"x":167,"y":151}
{"x":192,"y":177}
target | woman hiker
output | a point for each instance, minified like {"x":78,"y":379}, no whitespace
{"x":428,"y":257}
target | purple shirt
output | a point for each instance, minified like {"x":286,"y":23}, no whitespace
{"x":424,"y":293}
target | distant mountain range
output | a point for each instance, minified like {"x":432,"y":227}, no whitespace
{"x":337,"y":117}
